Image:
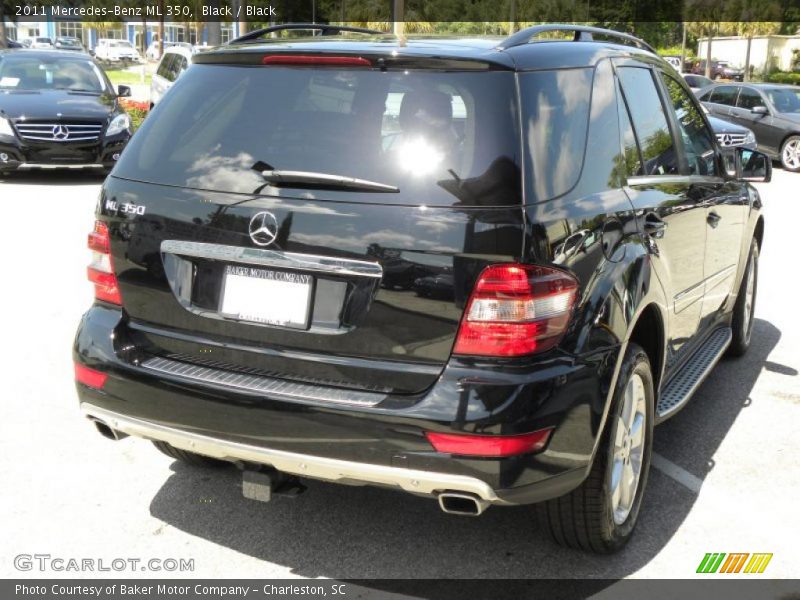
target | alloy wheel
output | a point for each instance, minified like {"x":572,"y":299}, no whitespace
{"x":629,"y":444}
{"x":791,"y":154}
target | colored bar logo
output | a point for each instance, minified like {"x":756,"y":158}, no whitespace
{"x":737,"y":562}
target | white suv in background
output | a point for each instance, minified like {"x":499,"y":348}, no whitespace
{"x":175,"y":61}
{"x":116,"y":50}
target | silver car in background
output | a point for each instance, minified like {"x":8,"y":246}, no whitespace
{"x":173,"y":63}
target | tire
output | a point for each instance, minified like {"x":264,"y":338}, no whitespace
{"x":586,"y":518}
{"x":790,"y":153}
{"x":744,"y":309}
{"x":189,"y":458}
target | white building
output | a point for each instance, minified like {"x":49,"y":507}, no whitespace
{"x":767,"y":52}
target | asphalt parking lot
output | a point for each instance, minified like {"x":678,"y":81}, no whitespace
{"x":725,"y":478}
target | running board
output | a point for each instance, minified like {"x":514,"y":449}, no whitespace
{"x":686,"y":381}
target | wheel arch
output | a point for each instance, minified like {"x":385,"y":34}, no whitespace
{"x":649,"y":332}
{"x":758,"y":232}
{"x":786,"y":137}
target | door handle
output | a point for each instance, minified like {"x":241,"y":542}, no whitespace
{"x":713,"y":218}
{"x":654,"y":226}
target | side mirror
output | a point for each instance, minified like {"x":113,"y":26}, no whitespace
{"x":759,"y":110}
{"x":123,"y":91}
{"x":752,"y":165}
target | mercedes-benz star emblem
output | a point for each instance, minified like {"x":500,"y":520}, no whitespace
{"x":60,"y":133}
{"x":263,"y":228}
{"x":726,"y":139}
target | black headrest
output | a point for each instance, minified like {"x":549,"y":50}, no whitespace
{"x":425,"y":110}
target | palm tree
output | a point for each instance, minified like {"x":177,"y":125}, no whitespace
{"x":750,"y":29}
{"x":707,"y":29}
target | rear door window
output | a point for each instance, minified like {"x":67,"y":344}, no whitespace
{"x":724,"y":94}
{"x":165,"y":66}
{"x":749,"y":98}
{"x":649,"y":121}
{"x":442,"y":138}
{"x":633,"y":160}
{"x":697,"y":140}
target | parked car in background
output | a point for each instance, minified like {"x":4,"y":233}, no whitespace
{"x":153,"y":53}
{"x":770,"y":110}
{"x":41,"y":43}
{"x":116,"y":51}
{"x":25,"y":42}
{"x":69,"y":43}
{"x":58,"y":109}
{"x":13,"y":44}
{"x":435,"y":286}
{"x":720,"y":69}
{"x":674,"y":62}
{"x":177,"y":58}
{"x":696,"y":82}
{"x":254,"y":329}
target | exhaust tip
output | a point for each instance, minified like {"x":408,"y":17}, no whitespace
{"x":107,"y":432}
{"x":462,"y":504}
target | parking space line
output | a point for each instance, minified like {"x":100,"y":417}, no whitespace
{"x":679,"y":474}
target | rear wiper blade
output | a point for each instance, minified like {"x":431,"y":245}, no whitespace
{"x":311,"y":179}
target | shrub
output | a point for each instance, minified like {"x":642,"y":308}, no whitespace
{"x":781,"y":77}
{"x":137,"y":111}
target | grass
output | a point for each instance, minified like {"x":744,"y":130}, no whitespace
{"x":128,"y":77}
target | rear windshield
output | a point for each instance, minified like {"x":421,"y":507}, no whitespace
{"x":440,"y":138}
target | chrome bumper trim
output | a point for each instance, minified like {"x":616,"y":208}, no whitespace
{"x":330,"y":265}
{"x":27,"y":165}
{"x":316,"y":467}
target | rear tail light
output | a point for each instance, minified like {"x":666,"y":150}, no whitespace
{"x":101,"y":269}
{"x":89,"y":377}
{"x":516,"y":310}
{"x":315,"y":61}
{"x":496,"y":446}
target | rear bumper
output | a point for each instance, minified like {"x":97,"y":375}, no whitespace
{"x":304,"y":465}
{"x":381,"y":444}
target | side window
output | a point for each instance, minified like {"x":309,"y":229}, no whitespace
{"x":649,"y":121}
{"x":697,"y":139}
{"x":555,"y":105}
{"x":724,"y":94}
{"x":163,"y":67}
{"x":174,"y":68}
{"x":632,"y":158}
{"x":181,"y":64}
{"x":749,"y":98}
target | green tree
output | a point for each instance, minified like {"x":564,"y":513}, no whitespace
{"x":750,"y":29}
{"x":708,"y":30}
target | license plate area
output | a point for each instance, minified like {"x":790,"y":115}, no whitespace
{"x":266,"y":296}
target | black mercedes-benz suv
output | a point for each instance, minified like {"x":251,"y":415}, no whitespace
{"x":58,"y":110}
{"x":243,"y":241}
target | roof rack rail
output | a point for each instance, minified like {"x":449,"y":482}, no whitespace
{"x":324,"y":28}
{"x":583,"y":33}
